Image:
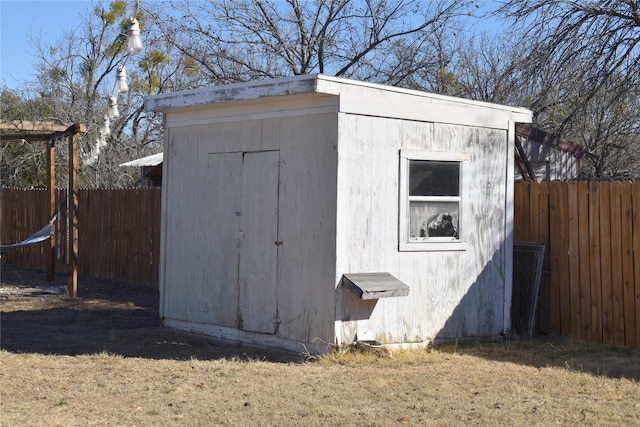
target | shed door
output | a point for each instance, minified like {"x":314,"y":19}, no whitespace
{"x":259,"y":233}
{"x":221,"y":261}
{"x":247,"y":221}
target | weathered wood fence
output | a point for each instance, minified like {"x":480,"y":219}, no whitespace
{"x":590,"y":287}
{"x":119,"y":235}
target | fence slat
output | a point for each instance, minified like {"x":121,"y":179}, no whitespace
{"x":617,"y":289}
{"x":629,"y":313}
{"x":521,"y":209}
{"x":583,"y":255}
{"x":544,"y":323}
{"x":605,"y":264}
{"x":635,"y":203}
{"x":573,"y":259}
{"x":559,"y":275}
{"x":594,"y":265}
{"x":534,"y":216}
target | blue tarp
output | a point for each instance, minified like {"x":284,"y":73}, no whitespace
{"x":43,"y":234}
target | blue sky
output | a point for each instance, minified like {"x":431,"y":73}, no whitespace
{"x":45,"y":17}
{"x":49,"y":18}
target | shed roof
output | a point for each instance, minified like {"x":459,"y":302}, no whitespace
{"x":152,"y":160}
{"x":352,"y":96}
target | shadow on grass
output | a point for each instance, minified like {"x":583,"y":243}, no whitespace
{"x":107,"y":316}
{"x":555,"y":351}
{"x":478,"y":314}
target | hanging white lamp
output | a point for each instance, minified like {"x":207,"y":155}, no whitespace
{"x":121,"y":80}
{"x":133,"y":35}
{"x":113,"y":107}
{"x":105,"y":130}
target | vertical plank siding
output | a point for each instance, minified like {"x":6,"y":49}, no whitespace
{"x":591,"y":283}
{"x":119,"y":232}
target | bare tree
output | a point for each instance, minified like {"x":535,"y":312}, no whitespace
{"x":579,"y":63}
{"x":608,"y":126}
{"x":22,"y":164}
{"x":486,"y":71}
{"x":426,"y":61}
{"x":240,"y":40}
{"x":577,"y":44}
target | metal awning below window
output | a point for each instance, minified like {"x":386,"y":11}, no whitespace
{"x":374,"y":285}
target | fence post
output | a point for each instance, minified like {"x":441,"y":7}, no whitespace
{"x":51,"y":196}
{"x":72,"y":280}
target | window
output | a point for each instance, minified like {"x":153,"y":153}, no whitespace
{"x":430,"y":200}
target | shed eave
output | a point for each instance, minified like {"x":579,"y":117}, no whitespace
{"x":193,"y":98}
{"x":332,"y":86}
{"x":351,"y":94}
{"x":152,"y":160}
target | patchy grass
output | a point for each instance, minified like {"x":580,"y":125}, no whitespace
{"x":103,"y":359}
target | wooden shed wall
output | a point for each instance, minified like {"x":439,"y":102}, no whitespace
{"x":452,"y":293}
{"x":558,"y":164}
{"x":199,"y":282}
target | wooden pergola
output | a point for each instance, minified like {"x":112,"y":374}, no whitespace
{"x":50,"y":132}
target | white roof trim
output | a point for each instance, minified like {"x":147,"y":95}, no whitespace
{"x":152,"y":160}
{"x":324,"y":85}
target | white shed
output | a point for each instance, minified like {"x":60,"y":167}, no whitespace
{"x":297,"y":212}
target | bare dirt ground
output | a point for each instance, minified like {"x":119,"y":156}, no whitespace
{"x":103,"y":359}
{"x":108,"y":316}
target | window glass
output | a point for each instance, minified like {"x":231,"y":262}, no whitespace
{"x":433,"y":219}
{"x":429,"y":178}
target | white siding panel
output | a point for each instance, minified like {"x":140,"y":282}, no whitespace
{"x":199,"y":281}
{"x":508,"y":229}
{"x":452,"y":294}
{"x":485,"y":187}
{"x":307,"y":219}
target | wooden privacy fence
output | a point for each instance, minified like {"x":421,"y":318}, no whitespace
{"x":590,"y":288}
{"x":119,"y":231}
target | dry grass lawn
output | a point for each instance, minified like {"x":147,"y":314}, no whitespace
{"x":103,"y":360}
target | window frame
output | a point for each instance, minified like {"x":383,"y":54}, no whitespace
{"x":405,"y":243}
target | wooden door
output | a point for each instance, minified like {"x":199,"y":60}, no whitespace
{"x":259,"y":248}
{"x":221,"y":262}
{"x":244,"y":230}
